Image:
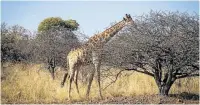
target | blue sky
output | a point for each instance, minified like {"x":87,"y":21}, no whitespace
{"x":93,"y":16}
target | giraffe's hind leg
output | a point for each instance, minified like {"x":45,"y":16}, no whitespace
{"x":76,"y":80}
{"x":64,"y":79}
{"x":70,"y":81}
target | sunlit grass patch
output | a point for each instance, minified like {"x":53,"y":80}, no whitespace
{"x":32,"y":83}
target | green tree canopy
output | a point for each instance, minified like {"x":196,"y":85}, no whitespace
{"x":72,"y":24}
{"x":51,"y":22}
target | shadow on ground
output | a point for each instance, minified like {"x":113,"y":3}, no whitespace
{"x":186,"y":96}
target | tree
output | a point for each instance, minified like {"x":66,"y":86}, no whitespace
{"x":162,"y":45}
{"x":54,"y":34}
{"x":14,"y":42}
{"x":50,"y":45}
{"x":53,"y":45}
{"x":51,"y":22}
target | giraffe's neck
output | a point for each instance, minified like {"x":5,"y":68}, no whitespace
{"x":105,"y":36}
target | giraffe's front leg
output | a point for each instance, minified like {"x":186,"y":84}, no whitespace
{"x":90,"y":82}
{"x":97,"y":68}
{"x":98,"y":79}
{"x":97,"y":64}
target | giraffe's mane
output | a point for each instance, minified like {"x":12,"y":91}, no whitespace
{"x":108,"y":29}
{"x":99,"y":34}
{"x":96,"y":36}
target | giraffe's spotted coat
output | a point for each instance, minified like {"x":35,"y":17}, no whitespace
{"x":77,"y":57}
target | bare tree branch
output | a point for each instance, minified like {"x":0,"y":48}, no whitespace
{"x":145,"y":72}
{"x":187,"y":75}
{"x":116,"y":77}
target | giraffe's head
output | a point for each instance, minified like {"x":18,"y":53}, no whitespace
{"x":128,"y":19}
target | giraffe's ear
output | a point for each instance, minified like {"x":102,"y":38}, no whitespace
{"x":129,"y":15}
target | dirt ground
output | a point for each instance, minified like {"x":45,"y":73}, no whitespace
{"x":148,"y":99}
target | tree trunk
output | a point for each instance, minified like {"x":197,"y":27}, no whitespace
{"x":53,"y":72}
{"x":164,"y":90}
{"x":51,"y":67}
{"x":165,"y":87}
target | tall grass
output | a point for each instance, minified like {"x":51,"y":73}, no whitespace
{"x":26,"y":83}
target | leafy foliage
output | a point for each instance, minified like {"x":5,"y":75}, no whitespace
{"x":71,"y":24}
{"x":53,"y":22}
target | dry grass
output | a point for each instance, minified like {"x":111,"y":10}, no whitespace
{"x":26,"y":83}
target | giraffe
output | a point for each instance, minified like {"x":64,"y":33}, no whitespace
{"x":91,"y":52}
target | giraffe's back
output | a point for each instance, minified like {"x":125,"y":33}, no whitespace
{"x":79,"y":55}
